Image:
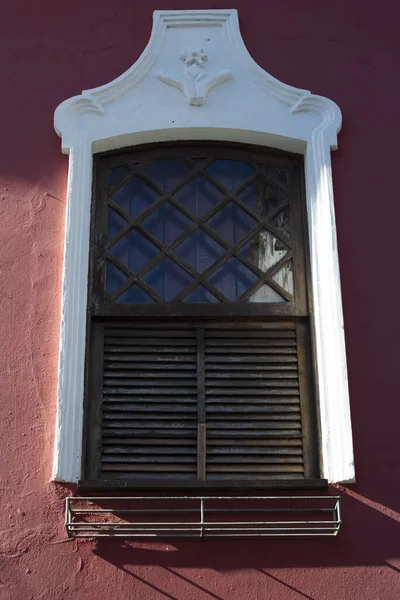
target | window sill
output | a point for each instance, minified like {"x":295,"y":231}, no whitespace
{"x":217,"y":486}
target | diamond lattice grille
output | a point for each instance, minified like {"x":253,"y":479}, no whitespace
{"x":199,"y":230}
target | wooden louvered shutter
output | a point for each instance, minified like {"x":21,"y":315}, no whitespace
{"x":199,"y":355}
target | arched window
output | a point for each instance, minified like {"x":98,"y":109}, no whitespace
{"x":199,"y":340}
{"x":174,"y":258}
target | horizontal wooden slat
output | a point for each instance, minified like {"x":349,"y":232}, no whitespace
{"x":140,"y":391}
{"x":248,"y":375}
{"x":132,"y":386}
{"x":249,"y":425}
{"x":144,"y":358}
{"x":242,"y":409}
{"x":148,"y":332}
{"x":248,"y":351}
{"x":252,"y":417}
{"x":263,"y":399}
{"x":155,"y":350}
{"x":153,"y":367}
{"x":150,"y":341}
{"x":143,"y":450}
{"x":215,"y":383}
{"x":264,"y":332}
{"x":152,"y":408}
{"x":255,"y":443}
{"x":161,"y":459}
{"x":264,"y":451}
{"x":148,"y":433}
{"x":253,"y":360}
{"x":138,"y":418}
{"x":247,"y":393}
{"x":254,"y":435}
{"x":119,"y":466}
{"x":136,"y":424}
{"x":255,"y":468}
{"x":211,"y":460}
{"x":255,"y":342}
{"x":161,"y":399}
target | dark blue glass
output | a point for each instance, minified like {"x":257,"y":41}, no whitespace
{"x":167,"y":173}
{"x":233,"y":279}
{"x":232,"y":223}
{"x":200,"y":295}
{"x":167,"y":223}
{"x":199,"y":250}
{"x":167,"y":279}
{"x":134,"y":294}
{"x":134,"y":250}
{"x":116,"y":175}
{"x":199,"y":196}
{"x":230,"y":173}
{"x":115,"y":223}
{"x":134,"y":197}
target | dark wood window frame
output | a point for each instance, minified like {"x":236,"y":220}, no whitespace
{"x":205,"y":320}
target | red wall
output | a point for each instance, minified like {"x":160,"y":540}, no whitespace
{"x":348,"y":51}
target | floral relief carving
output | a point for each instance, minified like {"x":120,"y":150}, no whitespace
{"x":196,"y":82}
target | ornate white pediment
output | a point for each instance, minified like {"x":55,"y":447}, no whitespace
{"x":195,"y":80}
{"x":224,"y":89}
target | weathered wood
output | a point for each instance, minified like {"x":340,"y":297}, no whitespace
{"x":201,"y":451}
{"x":189,"y":392}
{"x":94,"y":401}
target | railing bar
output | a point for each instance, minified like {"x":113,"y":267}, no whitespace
{"x":125,"y":498}
{"x":190,"y":510}
{"x":207,"y":524}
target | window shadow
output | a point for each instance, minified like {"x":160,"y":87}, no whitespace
{"x":367,"y":537}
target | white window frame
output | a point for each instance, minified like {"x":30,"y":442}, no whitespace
{"x":161,"y":98}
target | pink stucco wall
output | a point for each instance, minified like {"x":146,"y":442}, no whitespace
{"x":346,"y":50}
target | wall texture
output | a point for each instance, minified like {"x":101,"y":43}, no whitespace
{"x":348,"y":51}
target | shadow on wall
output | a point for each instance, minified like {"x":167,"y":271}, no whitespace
{"x":369,"y":537}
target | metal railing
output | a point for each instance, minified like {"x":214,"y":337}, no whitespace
{"x":202,"y":516}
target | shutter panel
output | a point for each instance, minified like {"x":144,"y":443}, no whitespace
{"x":149,"y":419}
{"x":200,"y":402}
{"x":253,"y":404}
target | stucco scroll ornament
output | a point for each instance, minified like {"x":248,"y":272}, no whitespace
{"x":196,"y":81}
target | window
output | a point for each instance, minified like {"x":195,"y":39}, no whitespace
{"x":199,"y":354}
{"x":160,"y":99}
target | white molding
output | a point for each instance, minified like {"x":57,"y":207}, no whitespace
{"x":249,"y":106}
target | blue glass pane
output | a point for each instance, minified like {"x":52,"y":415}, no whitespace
{"x":134,"y":250}
{"x":115,"y":175}
{"x":134,"y":197}
{"x":115,"y":222}
{"x":199,"y":250}
{"x":167,"y":223}
{"x":167,"y":173}
{"x":232,"y":223}
{"x":200,"y":295}
{"x":114,"y":278}
{"x":230,"y":173}
{"x":167,"y":279}
{"x":251,"y":197}
{"x":134,"y":294}
{"x":199,"y":196}
{"x":233,"y":279}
